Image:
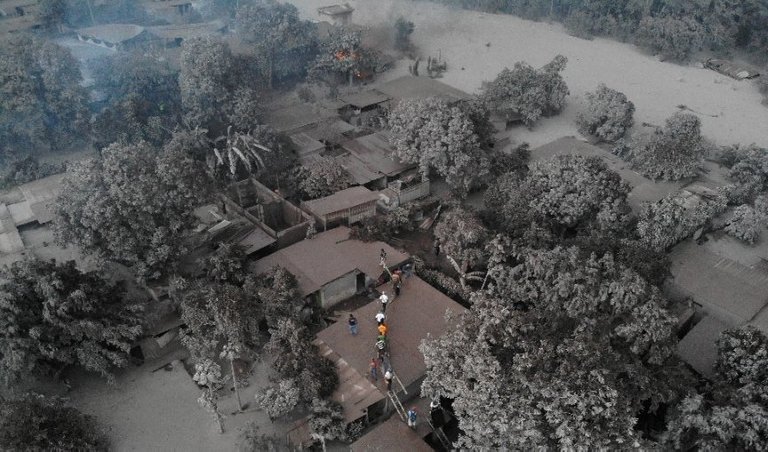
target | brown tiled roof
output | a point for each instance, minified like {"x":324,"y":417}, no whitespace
{"x":392,"y":435}
{"x":341,"y":200}
{"x":329,"y":256}
{"x":418,"y":313}
{"x":355,"y":392}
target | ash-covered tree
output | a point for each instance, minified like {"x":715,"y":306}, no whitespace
{"x":37,"y":422}
{"x":324,"y":177}
{"x":298,"y":359}
{"x":326,"y":421}
{"x":462,"y":238}
{"x":555,"y":337}
{"x":285,"y":43}
{"x":216,"y":86}
{"x":666,"y":222}
{"x":219,"y":314}
{"x":672,"y":153}
{"x":130,"y":205}
{"x":227,"y":264}
{"x":732,"y":413}
{"x":278,"y":400}
{"x":670,"y":37}
{"x":528,"y":92}
{"x":278,"y":292}
{"x":53,"y":316}
{"x":608,"y":115}
{"x":403,"y":30}
{"x":746,"y":223}
{"x":142,"y":96}
{"x":748,"y":171}
{"x":43,"y":104}
{"x":437,"y":136}
{"x":571,"y":192}
{"x":341,"y":57}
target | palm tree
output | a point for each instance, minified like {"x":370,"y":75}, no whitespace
{"x":240,"y":147}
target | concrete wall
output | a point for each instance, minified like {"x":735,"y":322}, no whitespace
{"x":338,"y":290}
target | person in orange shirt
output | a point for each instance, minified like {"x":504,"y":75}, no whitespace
{"x":383,"y":329}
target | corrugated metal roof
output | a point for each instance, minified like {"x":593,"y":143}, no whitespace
{"x":419,"y":87}
{"x":341,"y":200}
{"x":698,"y":348}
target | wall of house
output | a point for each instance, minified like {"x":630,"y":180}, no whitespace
{"x":414,"y":192}
{"x":339,"y":290}
{"x":292,"y":235}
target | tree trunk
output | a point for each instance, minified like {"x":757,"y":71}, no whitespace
{"x":215,"y":409}
{"x":90,"y":11}
{"x":234,"y":384}
{"x":271,"y":66}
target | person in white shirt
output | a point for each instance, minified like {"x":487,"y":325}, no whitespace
{"x":380,"y":317}
{"x":384,"y":299}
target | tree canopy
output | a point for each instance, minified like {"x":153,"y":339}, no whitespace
{"x":732,"y":413}
{"x":433,"y":134}
{"x":42,"y":103}
{"x":285,"y":43}
{"x":131,"y":205}
{"x":38,"y":422}
{"x":554,"y":337}
{"x":672,"y":153}
{"x":570,"y":191}
{"x":53,"y":315}
{"x":528,"y":92}
{"x":608,"y":115}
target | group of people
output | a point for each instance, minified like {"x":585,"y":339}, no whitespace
{"x":381,"y":364}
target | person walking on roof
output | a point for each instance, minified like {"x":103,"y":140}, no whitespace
{"x":374,"y":369}
{"x":412,"y":417}
{"x":384,"y":299}
{"x":380,"y":317}
{"x":383,"y":329}
{"x":352,"y":321}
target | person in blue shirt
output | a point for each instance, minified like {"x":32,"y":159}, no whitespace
{"x":412,"y":417}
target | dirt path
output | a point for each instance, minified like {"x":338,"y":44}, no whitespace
{"x":730,"y":110}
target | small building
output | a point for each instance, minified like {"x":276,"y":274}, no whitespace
{"x":418,"y":313}
{"x":276,"y":219}
{"x":409,"y":87}
{"x":347,"y":207}
{"x":174,"y":35}
{"x":339,"y":15}
{"x":170,"y":10}
{"x":306,"y":147}
{"x":370,"y":161}
{"x":10,"y":240}
{"x":732,"y":292}
{"x":699,"y":347}
{"x":114,"y":36}
{"x":331,"y":267}
{"x":731,"y":69}
{"x":298,"y":118}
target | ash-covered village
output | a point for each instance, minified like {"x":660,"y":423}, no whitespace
{"x":402,"y":225}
